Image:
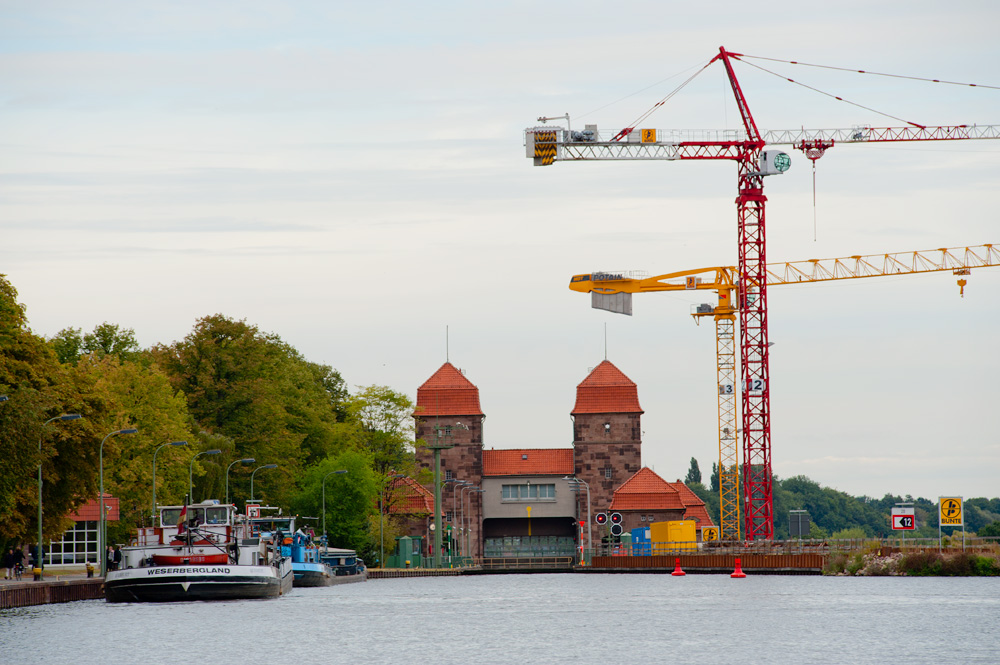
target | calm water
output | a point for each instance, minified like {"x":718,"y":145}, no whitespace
{"x":626,"y":619}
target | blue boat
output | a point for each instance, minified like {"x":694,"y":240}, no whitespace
{"x":313,"y":564}
{"x":347,"y":566}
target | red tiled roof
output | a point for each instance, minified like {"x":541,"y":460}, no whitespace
{"x":91,"y":511}
{"x":607,"y":390}
{"x":528,"y":462}
{"x":410,"y":498}
{"x":694,"y":507}
{"x":647,"y":501}
{"x":448,"y":393}
{"x":647,"y":491}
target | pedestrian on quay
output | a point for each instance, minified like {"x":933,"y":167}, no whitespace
{"x":110,"y":557}
{"x":8,"y":563}
{"x":18,"y":558}
{"x":118,"y":557}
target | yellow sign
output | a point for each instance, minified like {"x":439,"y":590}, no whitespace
{"x":708,"y":534}
{"x":649,"y":136}
{"x":951,"y":511}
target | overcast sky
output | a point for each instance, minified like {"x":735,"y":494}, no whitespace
{"x":351,"y":177}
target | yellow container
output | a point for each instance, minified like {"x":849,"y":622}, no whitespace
{"x":667,"y":537}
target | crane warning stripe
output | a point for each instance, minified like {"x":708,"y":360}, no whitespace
{"x":545,"y":148}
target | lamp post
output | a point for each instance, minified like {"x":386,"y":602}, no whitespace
{"x":590,"y":533}
{"x":102,"y":541}
{"x":39,"y":559}
{"x":468,"y":531}
{"x":266,"y":466}
{"x":381,"y":519}
{"x":332,"y":473}
{"x":461,"y":501}
{"x":152,"y":514}
{"x":213,"y":451}
{"x":454,"y":505}
{"x":248,"y":460}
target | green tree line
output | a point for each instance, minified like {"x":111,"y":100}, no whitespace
{"x":226,"y":386}
{"x":833,"y":513}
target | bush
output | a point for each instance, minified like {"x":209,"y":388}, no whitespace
{"x":986,"y":566}
{"x":920,"y":563}
{"x":835,"y":563}
{"x":961,"y":564}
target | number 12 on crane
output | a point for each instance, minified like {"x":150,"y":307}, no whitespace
{"x":756,"y":386}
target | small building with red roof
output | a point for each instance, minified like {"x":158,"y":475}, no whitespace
{"x":646,"y":498}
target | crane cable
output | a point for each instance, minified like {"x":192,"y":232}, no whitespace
{"x":862,"y":71}
{"x":628,"y":130}
{"x":827,"y":94}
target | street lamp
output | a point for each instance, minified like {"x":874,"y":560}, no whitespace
{"x":468,"y":531}
{"x":454,"y":506}
{"x":152,"y":515}
{"x":266,"y":466}
{"x":381,"y":517}
{"x":332,"y":473}
{"x":213,"y":451}
{"x":461,"y":500}
{"x":590,"y":533}
{"x":248,"y":460}
{"x":39,"y":559}
{"x":104,"y":526}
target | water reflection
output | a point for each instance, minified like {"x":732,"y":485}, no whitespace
{"x":536,"y":618}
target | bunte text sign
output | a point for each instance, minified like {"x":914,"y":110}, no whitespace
{"x":950,"y":511}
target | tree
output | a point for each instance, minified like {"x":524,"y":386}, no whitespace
{"x":351,"y":498}
{"x":693,"y":474}
{"x":37,"y":387}
{"x":255,"y":390}
{"x":385,"y":419}
{"x":108,"y":339}
{"x":714,"y":478}
{"x":991,"y":530}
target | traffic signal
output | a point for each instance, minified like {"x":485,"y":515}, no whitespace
{"x":616,"y":529}
{"x":601,"y":518}
{"x":616,"y":518}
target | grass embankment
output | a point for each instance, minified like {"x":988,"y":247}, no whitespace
{"x":921,"y":563}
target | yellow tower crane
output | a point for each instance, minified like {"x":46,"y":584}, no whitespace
{"x":612,"y":291}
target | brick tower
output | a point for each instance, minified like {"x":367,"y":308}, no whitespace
{"x":448,"y":412}
{"x":607,"y":432}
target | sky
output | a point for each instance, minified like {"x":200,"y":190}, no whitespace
{"x":352,"y":178}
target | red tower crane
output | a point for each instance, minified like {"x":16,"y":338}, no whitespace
{"x":548,"y":145}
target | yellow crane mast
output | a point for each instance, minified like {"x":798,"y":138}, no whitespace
{"x":612,"y":291}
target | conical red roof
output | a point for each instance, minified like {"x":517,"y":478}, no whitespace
{"x":448,"y":393}
{"x":607,"y":390}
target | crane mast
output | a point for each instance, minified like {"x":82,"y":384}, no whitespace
{"x":612,"y":292}
{"x":546,"y":145}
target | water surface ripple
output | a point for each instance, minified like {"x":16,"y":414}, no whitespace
{"x":536,"y":618}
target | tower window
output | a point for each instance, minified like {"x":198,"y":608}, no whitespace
{"x":607,"y":472}
{"x":447,"y":475}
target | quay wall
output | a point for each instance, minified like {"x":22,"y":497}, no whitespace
{"x":387,"y":573}
{"x":42,"y":593}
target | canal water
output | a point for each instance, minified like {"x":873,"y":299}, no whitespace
{"x":628,"y":619}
